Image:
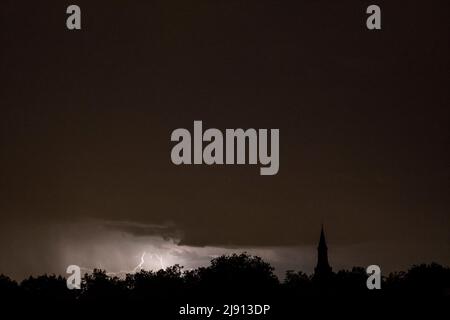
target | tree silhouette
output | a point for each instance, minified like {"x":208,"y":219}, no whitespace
{"x":241,"y":274}
{"x":231,"y":279}
{"x":100,"y":286}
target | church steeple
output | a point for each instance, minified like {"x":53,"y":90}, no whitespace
{"x":322,"y":268}
{"x":322,"y":241}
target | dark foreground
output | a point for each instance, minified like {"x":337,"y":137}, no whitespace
{"x":232,"y":287}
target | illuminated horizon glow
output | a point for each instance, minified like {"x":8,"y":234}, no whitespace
{"x":117,"y":252}
{"x":191,"y":258}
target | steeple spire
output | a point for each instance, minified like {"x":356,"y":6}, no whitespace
{"x":322,"y":241}
{"x":322,"y":269}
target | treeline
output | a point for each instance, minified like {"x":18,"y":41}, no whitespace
{"x":233,"y":277}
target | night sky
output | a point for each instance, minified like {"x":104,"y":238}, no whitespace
{"x":86,"y":118}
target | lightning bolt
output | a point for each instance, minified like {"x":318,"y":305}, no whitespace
{"x":138,"y":268}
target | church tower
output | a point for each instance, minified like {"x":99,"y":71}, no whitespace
{"x":322,"y":269}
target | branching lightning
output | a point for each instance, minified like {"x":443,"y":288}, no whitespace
{"x":138,"y":268}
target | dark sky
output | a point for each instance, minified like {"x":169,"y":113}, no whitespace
{"x":86,"y":118}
